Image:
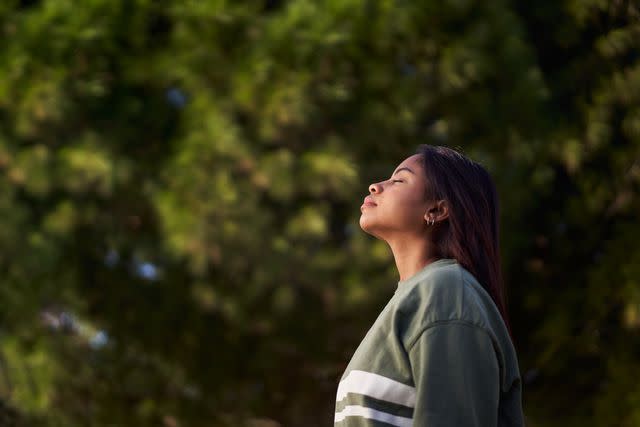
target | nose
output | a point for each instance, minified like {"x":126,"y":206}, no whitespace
{"x":375,"y":188}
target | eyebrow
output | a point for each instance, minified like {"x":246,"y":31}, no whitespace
{"x":403,"y":169}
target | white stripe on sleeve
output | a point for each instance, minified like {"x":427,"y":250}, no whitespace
{"x":372,"y":414}
{"x":378,"y":387}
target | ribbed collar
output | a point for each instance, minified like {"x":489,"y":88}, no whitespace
{"x":425,"y":270}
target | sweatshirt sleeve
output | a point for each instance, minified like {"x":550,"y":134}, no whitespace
{"x":456,"y":375}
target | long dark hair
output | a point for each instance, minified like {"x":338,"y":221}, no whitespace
{"x":471,"y":233}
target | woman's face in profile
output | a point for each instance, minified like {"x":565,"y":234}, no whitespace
{"x":398,"y":204}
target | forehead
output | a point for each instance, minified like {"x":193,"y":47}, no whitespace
{"x":412,"y":162}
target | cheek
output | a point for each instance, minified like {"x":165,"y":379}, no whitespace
{"x":410,"y":211}
{"x":409,"y":208}
{"x":408,"y":216}
{"x":401,"y":215}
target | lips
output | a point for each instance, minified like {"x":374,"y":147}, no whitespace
{"x":368,"y":202}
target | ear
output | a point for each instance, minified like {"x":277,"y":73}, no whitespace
{"x":437,"y":211}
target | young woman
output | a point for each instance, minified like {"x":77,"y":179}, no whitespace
{"x":440,"y":353}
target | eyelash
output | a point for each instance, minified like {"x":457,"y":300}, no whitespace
{"x":397,"y":180}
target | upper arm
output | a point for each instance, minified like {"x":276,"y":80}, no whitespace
{"x":456,"y":375}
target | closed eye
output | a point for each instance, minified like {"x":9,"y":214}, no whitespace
{"x":397,"y":180}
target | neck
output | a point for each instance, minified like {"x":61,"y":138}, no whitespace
{"x":412,"y":255}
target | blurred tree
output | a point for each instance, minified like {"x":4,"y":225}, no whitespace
{"x":181,"y":183}
{"x":581,"y":291}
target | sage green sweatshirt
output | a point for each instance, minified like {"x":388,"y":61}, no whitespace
{"x":438,"y":355}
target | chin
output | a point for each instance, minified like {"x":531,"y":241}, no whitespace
{"x":364,"y":224}
{"x":368,"y":227}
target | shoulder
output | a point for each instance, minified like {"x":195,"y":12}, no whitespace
{"x":444,"y":294}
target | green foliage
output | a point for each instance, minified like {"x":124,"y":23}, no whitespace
{"x":186,"y":176}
